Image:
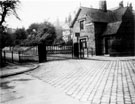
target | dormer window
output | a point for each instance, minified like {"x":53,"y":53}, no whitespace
{"x":82,"y":25}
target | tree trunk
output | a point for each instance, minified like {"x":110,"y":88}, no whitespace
{"x":1,"y":61}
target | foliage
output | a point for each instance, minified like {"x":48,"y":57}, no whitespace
{"x":7,"y":39}
{"x":40,"y":33}
{"x":20,"y":34}
{"x":58,"y":39}
{"x":70,"y":42}
{"x":32,"y":28}
{"x":68,"y":19}
{"x":7,"y":7}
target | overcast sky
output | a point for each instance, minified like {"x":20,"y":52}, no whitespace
{"x":36,"y":11}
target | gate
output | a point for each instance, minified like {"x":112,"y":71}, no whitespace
{"x":59,"y":52}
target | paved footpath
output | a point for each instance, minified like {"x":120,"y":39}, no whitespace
{"x":85,"y":82}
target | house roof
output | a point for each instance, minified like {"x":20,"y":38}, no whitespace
{"x":112,"y":28}
{"x":97,"y":15}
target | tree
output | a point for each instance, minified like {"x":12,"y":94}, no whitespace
{"x":41,"y":33}
{"x":7,"y":7}
{"x":7,"y":39}
{"x":46,"y":33}
{"x":20,"y":34}
{"x":68,"y":20}
{"x":59,"y":31}
{"x":33,"y":28}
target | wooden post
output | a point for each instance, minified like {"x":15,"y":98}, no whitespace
{"x":87,"y":53}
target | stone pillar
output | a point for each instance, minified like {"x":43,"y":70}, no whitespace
{"x":42,"y":53}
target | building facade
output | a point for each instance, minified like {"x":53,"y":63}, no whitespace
{"x":105,"y":31}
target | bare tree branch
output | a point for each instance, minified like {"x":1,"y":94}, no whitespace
{"x":7,"y":7}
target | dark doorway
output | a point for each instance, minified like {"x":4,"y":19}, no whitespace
{"x":107,"y":45}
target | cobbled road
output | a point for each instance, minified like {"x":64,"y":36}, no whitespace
{"x":84,"y":81}
{"x":96,"y":82}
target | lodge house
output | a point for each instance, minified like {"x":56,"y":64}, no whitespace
{"x":104,"y":31}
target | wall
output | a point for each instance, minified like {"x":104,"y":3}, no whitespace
{"x":89,"y":31}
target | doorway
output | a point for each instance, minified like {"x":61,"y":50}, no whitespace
{"x":83,"y":47}
{"x":107,"y":45}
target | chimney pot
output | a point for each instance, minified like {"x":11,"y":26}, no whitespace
{"x":121,"y":4}
{"x":103,"y":5}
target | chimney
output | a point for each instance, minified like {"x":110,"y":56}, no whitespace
{"x":130,"y":6}
{"x":121,"y":4}
{"x":102,"y":5}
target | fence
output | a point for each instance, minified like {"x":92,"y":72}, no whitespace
{"x":66,"y":49}
{"x":55,"y":52}
{"x":20,"y":55}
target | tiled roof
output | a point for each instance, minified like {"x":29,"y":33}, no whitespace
{"x":94,"y":15}
{"x":97,"y":15}
{"x":112,"y":28}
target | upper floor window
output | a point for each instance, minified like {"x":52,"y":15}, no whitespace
{"x":82,"y":25}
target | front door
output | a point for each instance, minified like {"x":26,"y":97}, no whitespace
{"x":83,"y":46}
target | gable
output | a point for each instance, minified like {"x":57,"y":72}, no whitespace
{"x":80,"y":14}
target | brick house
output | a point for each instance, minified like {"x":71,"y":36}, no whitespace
{"x":105,"y":31}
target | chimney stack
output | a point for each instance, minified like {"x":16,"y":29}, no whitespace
{"x":103,"y":5}
{"x":130,"y":6}
{"x":121,"y":4}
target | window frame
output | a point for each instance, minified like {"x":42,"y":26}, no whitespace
{"x":82,"y":24}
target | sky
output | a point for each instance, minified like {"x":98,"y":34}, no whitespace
{"x":37,"y":11}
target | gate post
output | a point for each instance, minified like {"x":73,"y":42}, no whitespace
{"x":42,"y":53}
{"x":76,"y":50}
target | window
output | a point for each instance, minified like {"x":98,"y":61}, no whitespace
{"x":82,"y":25}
